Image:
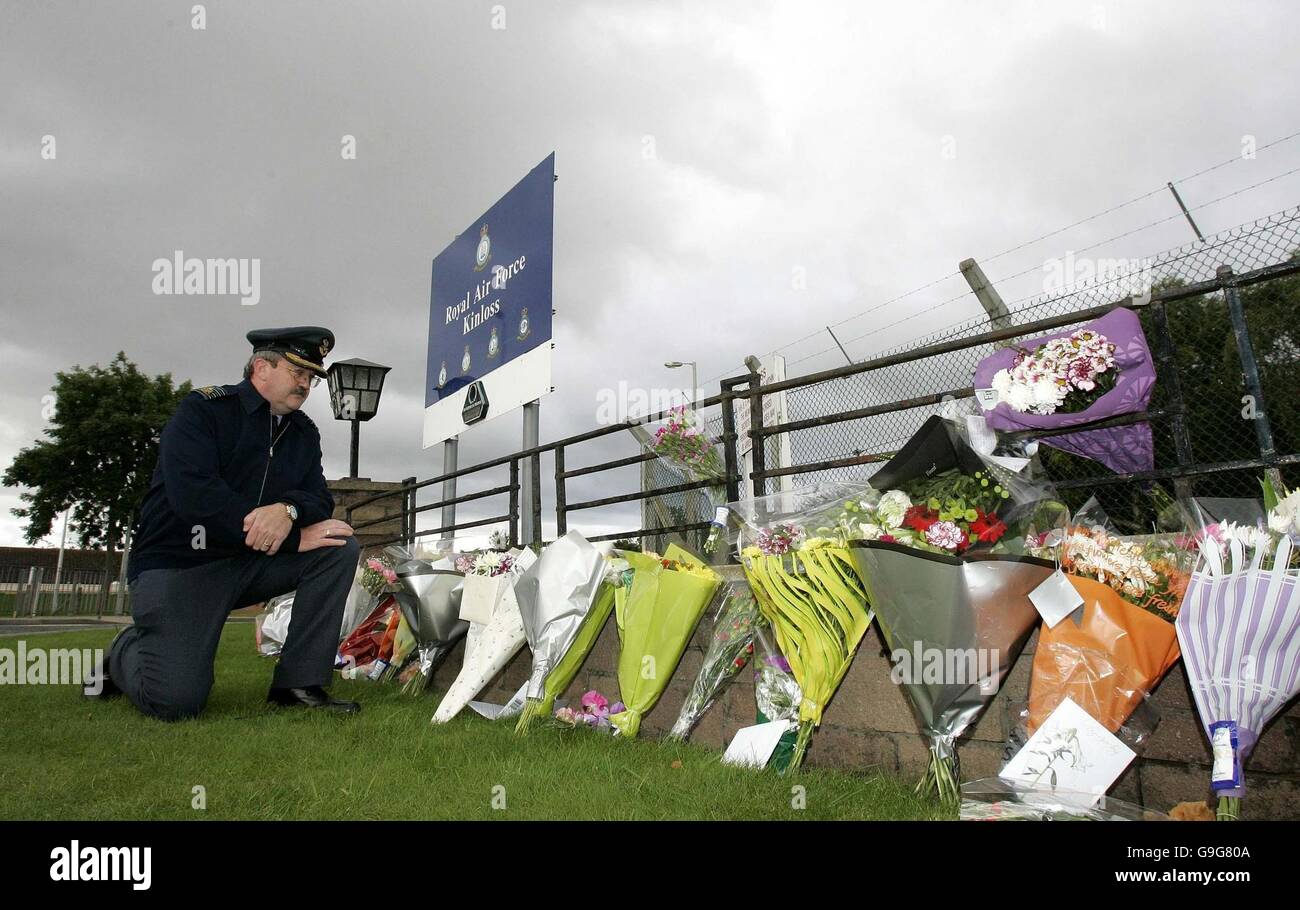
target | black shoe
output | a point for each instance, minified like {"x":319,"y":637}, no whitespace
{"x":99,"y":685}
{"x":310,"y":697}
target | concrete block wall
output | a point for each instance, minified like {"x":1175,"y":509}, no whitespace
{"x":869,"y":726}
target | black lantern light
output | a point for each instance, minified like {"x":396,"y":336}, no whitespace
{"x":355,"y":386}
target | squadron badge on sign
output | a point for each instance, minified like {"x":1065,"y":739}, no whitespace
{"x":483,"y":254}
{"x":494,"y":345}
{"x":524,"y":328}
{"x":464,"y":361}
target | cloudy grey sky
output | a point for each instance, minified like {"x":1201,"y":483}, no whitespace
{"x":733,"y":176}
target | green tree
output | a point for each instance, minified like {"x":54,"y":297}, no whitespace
{"x":97,"y":459}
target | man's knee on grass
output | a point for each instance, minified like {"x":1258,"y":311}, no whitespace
{"x":177,"y":704}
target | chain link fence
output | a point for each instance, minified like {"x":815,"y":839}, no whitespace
{"x":1205,"y":413}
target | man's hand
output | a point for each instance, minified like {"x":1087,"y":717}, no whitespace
{"x":267,"y":527}
{"x":328,"y":533}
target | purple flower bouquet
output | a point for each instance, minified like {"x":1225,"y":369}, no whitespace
{"x":1076,"y":377}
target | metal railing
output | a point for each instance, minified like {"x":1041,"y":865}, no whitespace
{"x":1241,"y":284}
{"x":29,"y":591}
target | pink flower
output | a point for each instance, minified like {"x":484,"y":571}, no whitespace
{"x":1081,"y":375}
{"x":566,"y":715}
{"x":595,"y":703}
{"x":945,"y":535}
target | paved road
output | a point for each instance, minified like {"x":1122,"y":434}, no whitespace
{"x":12,"y":627}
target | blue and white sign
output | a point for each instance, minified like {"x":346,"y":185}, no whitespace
{"x":490,"y":308}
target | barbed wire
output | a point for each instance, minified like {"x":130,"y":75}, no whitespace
{"x":1020,"y":246}
{"x":1004,"y":278}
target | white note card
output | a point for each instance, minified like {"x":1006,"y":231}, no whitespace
{"x":1056,"y":598}
{"x":1072,"y":753}
{"x":753,"y":746}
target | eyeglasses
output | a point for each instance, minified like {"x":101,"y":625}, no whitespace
{"x":303,"y":375}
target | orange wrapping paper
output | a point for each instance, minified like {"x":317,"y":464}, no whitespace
{"x":1106,"y":664}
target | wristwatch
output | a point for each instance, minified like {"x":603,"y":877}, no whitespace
{"x":293,"y":512}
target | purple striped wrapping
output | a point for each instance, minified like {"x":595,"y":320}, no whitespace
{"x":1239,"y":630}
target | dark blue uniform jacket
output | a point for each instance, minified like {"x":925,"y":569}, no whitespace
{"x":216,"y":464}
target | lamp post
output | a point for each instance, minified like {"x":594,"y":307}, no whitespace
{"x":355,"y":386}
{"x":673,"y":364}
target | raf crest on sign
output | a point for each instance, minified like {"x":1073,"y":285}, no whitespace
{"x":483,"y":254}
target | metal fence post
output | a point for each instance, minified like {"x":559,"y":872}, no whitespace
{"x":535,"y":491}
{"x":758,"y":443}
{"x":408,"y":512}
{"x":119,"y":605}
{"x":34,"y":589}
{"x":561,"y":521}
{"x":1250,"y":373}
{"x":1167,"y":357}
{"x":514,"y":502}
{"x":730,"y":459}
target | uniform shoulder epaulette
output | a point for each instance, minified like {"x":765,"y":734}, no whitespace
{"x":213,"y":391}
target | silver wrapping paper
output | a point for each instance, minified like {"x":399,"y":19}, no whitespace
{"x":276,"y":625}
{"x":776,"y":692}
{"x":359,"y":605}
{"x":430,"y":600}
{"x":554,"y":596}
{"x":928,"y":601}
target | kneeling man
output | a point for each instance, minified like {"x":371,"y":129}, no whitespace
{"x":237,"y":512}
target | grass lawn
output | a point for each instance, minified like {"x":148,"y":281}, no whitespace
{"x":67,"y":758}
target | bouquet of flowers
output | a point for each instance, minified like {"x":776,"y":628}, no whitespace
{"x":563,"y":604}
{"x":594,"y":712}
{"x":954,"y":513}
{"x":808,"y":591}
{"x":496,"y":630}
{"x":1066,"y":374}
{"x":995,"y":799}
{"x":656,"y":615}
{"x":1239,"y":628}
{"x":946,"y":574}
{"x":682,"y":443}
{"x":1078,"y":377}
{"x":1120,"y":647}
{"x":777,"y":696}
{"x":730,"y":648}
{"x":489,"y":580}
{"x":377,"y":575}
{"x":429,"y":596}
{"x":382,"y":641}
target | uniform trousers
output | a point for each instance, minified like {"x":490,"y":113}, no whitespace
{"x":164,"y":661}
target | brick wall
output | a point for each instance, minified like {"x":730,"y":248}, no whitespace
{"x":348,"y":490}
{"x":869,"y":727}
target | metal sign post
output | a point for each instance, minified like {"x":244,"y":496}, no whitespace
{"x":449,"y":454}
{"x":529,"y":531}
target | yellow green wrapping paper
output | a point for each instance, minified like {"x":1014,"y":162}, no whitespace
{"x":567,"y":667}
{"x":656,"y":615}
{"x":818,"y":611}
